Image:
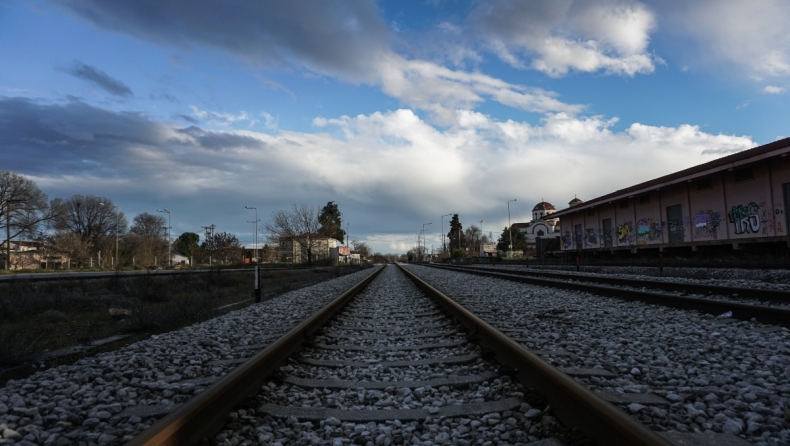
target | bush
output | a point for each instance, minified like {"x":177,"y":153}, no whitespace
{"x":458,"y":253}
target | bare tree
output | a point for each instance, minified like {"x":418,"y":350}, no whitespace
{"x":72,"y":246}
{"x":224,"y":246}
{"x":93,"y":218}
{"x":297,"y":228}
{"x":361,"y":248}
{"x":473,"y":237}
{"x":147,"y":239}
{"x":23,"y":207}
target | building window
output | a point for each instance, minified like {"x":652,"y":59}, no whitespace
{"x":623,"y":204}
{"x":540,"y":233}
{"x":705,"y":183}
{"x":644,"y":199}
{"x":744,"y":174}
{"x":590,"y":212}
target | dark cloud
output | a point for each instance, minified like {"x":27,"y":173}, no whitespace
{"x":98,"y":78}
{"x":334,"y":38}
{"x":187,"y":118}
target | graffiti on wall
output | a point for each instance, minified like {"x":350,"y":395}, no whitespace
{"x":706,"y":224}
{"x":745,"y":219}
{"x":567,"y":240}
{"x":591,"y":238}
{"x":778,"y":212}
{"x":625,"y":233}
{"x":648,"y":230}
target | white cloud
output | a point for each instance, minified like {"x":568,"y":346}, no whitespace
{"x":751,"y":37}
{"x":557,"y":36}
{"x":772,"y":89}
{"x":223,"y":118}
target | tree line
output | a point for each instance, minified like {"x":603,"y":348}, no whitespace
{"x":86,"y":228}
{"x":460,"y":242}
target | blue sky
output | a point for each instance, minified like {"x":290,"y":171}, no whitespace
{"x":398,"y":111}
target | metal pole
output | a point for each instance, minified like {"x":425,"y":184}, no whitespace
{"x":510,"y":230}
{"x":482,"y":251}
{"x":169,"y":258}
{"x":257,"y":293}
{"x":444,"y":243}
{"x":8,"y":235}
{"x":423,"y":235}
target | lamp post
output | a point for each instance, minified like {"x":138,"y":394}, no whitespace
{"x":423,"y":234}
{"x":444,"y":245}
{"x":510,"y":230}
{"x":169,"y":258}
{"x":255,"y":235}
{"x":117,"y":215}
{"x":482,"y":250}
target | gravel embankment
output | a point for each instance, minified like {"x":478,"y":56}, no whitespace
{"x":113,"y":396}
{"x":717,"y":375}
{"x":388,"y":316}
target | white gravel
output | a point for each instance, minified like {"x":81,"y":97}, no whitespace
{"x":88,"y":402}
{"x":718,"y":377}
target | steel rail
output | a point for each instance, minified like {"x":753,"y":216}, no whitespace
{"x":50,"y":277}
{"x":573,"y":403}
{"x":667,"y":264}
{"x":207,"y":412}
{"x":693,"y":288}
{"x":775,"y":315}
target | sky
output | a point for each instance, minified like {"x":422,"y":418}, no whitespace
{"x":399,"y":112}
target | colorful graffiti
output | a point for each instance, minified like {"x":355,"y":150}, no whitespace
{"x":706,"y":224}
{"x":591,"y":238}
{"x":625,"y":233}
{"x":746,"y":219}
{"x":648,"y":230}
{"x":778,"y":212}
{"x":567,"y":240}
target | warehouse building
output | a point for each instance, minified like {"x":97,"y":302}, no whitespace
{"x":735,"y":200}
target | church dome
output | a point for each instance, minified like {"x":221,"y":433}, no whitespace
{"x":575,"y":201}
{"x":544,"y":206}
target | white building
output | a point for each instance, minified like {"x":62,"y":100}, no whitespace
{"x":540,"y":226}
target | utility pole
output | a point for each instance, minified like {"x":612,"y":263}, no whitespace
{"x":510,"y":230}
{"x":169,"y":258}
{"x":444,"y":244}
{"x":255,"y":237}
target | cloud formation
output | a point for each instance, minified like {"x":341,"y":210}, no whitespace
{"x":98,"y":78}
{"x":468,"y":167}
{"x":557,"y":36}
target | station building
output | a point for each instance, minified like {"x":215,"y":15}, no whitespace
{"x":735,"y":200}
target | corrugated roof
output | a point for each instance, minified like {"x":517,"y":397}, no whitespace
{"x":740,"y":158}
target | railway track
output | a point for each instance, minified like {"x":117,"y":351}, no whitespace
{"x":631,"y":289}
{"x":389,"y":366}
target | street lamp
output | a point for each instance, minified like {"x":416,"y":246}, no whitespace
{"x":444,"y":245}
{"x":423,"y":235}
{"x":482,"y":250}
{"x":117,"y":215}
{"x":255,"y":235}
{"x":510,"y":230}
{"x":169,"y":258}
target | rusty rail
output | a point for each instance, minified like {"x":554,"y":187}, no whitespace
{"x":573,"y":403}
{"x":207,"y":412}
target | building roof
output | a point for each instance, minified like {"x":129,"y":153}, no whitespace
{"x":544,"y":206}
{"x":521,"y":225}
{"x":776,"y":148}
{"x":575,"y":201}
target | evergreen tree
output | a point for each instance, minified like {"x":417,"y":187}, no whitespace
{"x":456,"y":235}
{"x":519,"y":240}
{"x":331,"y":223}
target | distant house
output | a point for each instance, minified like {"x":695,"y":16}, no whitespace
{"x":32,"y":255}
{"x":294,"y":249}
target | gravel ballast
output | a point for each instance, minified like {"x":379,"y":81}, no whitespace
{"x":113,"y":396}
{"x":717,"y":375}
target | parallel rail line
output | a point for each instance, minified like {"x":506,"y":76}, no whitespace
{"x":206,"y":413}
{"x":775,"y":315}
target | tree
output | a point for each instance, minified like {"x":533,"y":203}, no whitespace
{"x":473,"y":237}
{"x":92,"y":218}
{"x":23,"y":207}
{"x":72,"y":246}
{"x":331,"y":222}
{"x":147,"y":239}
{"x":297,"y":229}
{"x":360,"y":248}
{"x":224,"y":246}
{"x":456,"y":234}
{"x":187,"y":244}
{"x":519,"y":240}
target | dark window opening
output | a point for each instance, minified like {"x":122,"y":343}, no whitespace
{"x":623,"y":204}
{"x":705,"y":183}
{"x":744,"y":174}
{"x":644,"y":199}
{"x":540,"y":233}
